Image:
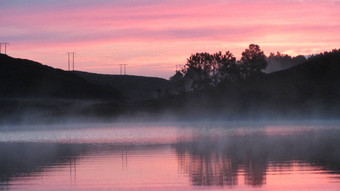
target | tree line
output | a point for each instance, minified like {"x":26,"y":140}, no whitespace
{"x":204,"y":70}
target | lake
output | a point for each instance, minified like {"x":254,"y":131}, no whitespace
{"x":210,"y":156}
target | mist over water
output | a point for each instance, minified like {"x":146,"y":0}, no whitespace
{"x":182,"y":156}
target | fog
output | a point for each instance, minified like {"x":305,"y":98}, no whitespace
{"x":47,"y":112}
{"x":210,"y":154}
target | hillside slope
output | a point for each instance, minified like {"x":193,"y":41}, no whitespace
{"x":312,"y":87}
{"x":317,"y":79}
{"x":309,"y":90}
{"x":131,"y":87}
{"x":28,"y":79}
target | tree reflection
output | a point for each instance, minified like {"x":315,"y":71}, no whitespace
{"x":210,"y":157}
{"x":222,"y":160}
{"x":209,"y":169}
{"x":22,"y":159}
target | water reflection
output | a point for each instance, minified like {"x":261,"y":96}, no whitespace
{"x":223,"y":157}
{"x":30,"y":159}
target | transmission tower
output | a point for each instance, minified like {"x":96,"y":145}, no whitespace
{"x":5,"y":44}
{"x":122,"y":69}
{"x":70,"y":56}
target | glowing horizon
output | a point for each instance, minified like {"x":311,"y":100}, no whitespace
{"x":152,"y":36}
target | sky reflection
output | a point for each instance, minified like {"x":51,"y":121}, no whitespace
{"x":308,"y":160}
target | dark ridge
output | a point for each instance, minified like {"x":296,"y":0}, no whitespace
{"x":20,"y":78}
{"x":131,"y":87}
{"x":316,"y":79}
{"x":311,"y":88}
{"x":319,"y":68}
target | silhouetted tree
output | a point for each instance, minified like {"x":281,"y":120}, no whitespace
{"x":228,"y":69}
{"x":314,"y":56}
{"x":299,"y":60}
{"x":204,"y":70}
{"x":198,"y":70}
{"x":253,"y":60}
{"x":281,"y":61}
{"x":178,"y":81}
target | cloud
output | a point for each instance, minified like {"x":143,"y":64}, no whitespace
{"x":178,"y":27}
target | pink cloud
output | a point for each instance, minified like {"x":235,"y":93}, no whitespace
{"x":153,"y":32}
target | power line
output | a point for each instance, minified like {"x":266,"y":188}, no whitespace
{"x":5,"y":45}
{"x":70,"y":54}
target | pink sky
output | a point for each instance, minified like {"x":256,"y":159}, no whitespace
{"x":153,"y":36}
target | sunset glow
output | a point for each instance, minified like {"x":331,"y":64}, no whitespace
{"x":153,"y":36}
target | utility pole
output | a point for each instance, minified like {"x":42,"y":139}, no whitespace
{"x":69,"y":54}
{"x":122,"y":69}
{"x":5,"y":45}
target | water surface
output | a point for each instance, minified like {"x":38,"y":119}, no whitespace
{"x":171,"y":157}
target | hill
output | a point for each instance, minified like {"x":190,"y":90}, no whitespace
{"x":130,"y":87}
{"x":311,"y":88}
{"x":308,"y":90}
{"x":20,"y":78}
{"x":32,"y":92}
{"x":316,"y":80}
